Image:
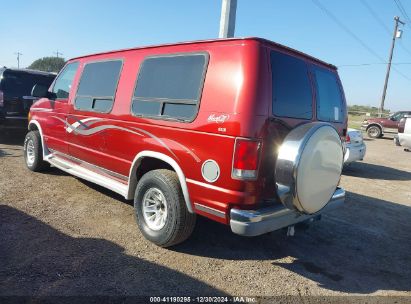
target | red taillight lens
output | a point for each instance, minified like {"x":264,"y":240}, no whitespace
{"x":1,"y":99}
{"x":246,"y":158}
{"x":347,"y":139}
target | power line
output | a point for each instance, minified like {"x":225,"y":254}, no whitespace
{"x":376,"y":17}
{"x":354,"y":36}
{"x":374,"y":63}
{"x":381,"y":22}
{"x":346,"y":29}
{"x":403,"y":11}
{"x":406,"y":17}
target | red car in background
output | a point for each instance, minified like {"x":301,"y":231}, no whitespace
{"x":377,"y":127}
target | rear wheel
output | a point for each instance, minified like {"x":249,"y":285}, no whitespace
{"x":162,"y":215}
{"x":33,"y":152}
{"x":374,"y":132}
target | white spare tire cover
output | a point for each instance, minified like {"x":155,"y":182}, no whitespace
{"x":309,"y":166}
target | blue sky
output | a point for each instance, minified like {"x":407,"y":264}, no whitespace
{"x":75,"y":27}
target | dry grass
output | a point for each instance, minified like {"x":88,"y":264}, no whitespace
{"x":355,"y":121}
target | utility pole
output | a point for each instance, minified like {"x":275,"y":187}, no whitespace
{"x":18,"y":59}
{"x":397,"y":34}
{"x":227,"y":20}
{"x":58,"y":53}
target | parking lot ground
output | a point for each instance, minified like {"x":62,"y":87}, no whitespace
{"x":60,"y":235}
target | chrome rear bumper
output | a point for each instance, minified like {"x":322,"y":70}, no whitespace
{"x":256,"y":222}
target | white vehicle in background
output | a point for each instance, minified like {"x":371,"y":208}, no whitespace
{"x":355,"y":146}
{"x":404,"y":133}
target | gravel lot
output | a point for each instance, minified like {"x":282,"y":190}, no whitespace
{"x":63,"y":236}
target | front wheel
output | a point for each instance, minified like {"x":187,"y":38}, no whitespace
{"x":374,"y":132}
{"x":33,"y":152}
{"x":162,"y":215}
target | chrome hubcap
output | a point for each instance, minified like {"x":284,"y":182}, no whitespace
{"x":30,"y":152}
{"x":373,"y":132}
{"x":155,"y":208}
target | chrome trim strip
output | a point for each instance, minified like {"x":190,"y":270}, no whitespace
{"x":257,"y":222}
{"x":17,"y":117}
{"x":88,"y":175}
{"x":41,"y":110}
{"x":81,"y":162}
{"x":210,"y":210}
{"x":201,"y":184}
{"x":132,"y":180}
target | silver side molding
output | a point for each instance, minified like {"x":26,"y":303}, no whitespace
{"x":88,"y":175}
{"x":210,"y":210}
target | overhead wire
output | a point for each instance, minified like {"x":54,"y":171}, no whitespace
{"x":369,"y":64}
{"x":354,"y":36}
{"x":376,"y":17}
{"x":382,"y":24}
{"x":403,"y":12}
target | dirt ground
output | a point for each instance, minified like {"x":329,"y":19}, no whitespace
{"x":60,"y":235}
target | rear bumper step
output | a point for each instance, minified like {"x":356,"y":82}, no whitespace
{"x":257,"y":222}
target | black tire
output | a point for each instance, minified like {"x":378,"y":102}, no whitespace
{"x":374,"y":132}
{"x":33,"y":152}
{"x":178,"y":223}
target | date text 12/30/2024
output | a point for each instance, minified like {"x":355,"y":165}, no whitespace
{"x":222,"y":299}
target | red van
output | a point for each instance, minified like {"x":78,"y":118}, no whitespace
{"x":245,"y":132}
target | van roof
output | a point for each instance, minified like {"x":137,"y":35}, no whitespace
{"x":261,"y":40}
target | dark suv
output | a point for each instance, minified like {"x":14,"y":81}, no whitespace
{"x":15,"y":93}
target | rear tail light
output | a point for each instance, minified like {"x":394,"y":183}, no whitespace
{"x":1,"y":99}
{"x":246,"y":158}
{"x":348,"y":139}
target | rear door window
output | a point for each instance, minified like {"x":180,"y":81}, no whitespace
{"x":329,"y":96}
{"x":291,"y":87}
{"x":98,"y":85}
{"x":170,"y":87}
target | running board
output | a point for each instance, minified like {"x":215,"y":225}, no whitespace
{"x":83,"y":173}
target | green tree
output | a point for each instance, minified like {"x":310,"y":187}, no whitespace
{"x":48,"y":64}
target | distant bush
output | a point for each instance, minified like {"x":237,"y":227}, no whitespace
{"x":48,"y":64}
{"x":360,"y":110}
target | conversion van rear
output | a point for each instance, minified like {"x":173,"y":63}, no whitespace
{"x":245,"y":132}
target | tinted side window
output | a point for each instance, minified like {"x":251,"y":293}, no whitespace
{"x":397,"y":116}
{"x":170,"y":86}
{"x":329,"y":98}
{"x":98,"y":86}
{"x":64,"y":81}
{"x":292,"y":94}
